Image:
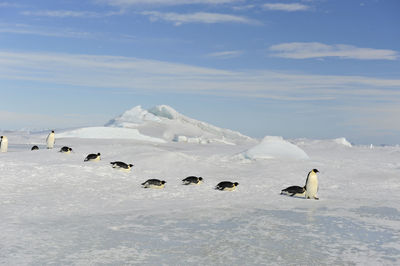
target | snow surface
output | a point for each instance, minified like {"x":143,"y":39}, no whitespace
{"x":343,"y":141}
{"x":107,"y":133}
{"x":56,"y":209}
{"x":275,"y":147}
{"x":164,"y":122}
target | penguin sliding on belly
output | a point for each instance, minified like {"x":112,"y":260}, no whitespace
{"x":3,"y":144}
{"x":294,"y":191}
{"x":121,"y":166}
{"x":92,"y":157}
{"x":226,"y":186}
{"x":154,"y":183}
{"x":192,"y":180}
{"x":312,"y":185}
{"x":34,"y":148}
{"x":66,"y":149}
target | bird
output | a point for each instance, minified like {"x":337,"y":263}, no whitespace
{"x":192,"y":180}
{"x":226,"y":186}
{"x":93,"y":157}
{"x":121,"y":166}
{"x":154,"y":183}
{"x":65,"y":149}
{"x":50,"y":140}
{"x":34,"y":148}
{"x":312,"y":185}
{"x":294,"y":191}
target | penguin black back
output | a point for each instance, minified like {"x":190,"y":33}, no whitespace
{"x":192,"y":180}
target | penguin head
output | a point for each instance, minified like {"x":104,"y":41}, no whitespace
{"x":236,"y":184}
{"x":200,"y":179}
{"x":98,"y":154}
{"x":52,"y":131}
{"x":315,"y":170}
{"x":163,"y":182}
{"x":130,"y":165}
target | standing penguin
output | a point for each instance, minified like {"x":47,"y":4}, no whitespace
{"x":3,"y":144}
{"x":312,"y":185}
{"x":50,"y":140}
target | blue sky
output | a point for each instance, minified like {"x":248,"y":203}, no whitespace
{"x":307,"y":68}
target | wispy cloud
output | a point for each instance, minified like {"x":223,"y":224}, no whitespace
{"x":124,"y":3}
{"x":42,"y":31}
{"x":134,"y":74}
{"x":70,"y":13}
{"x":302,"y":50}
{"x":243,"y":7}
{"x":199,"y":17}
{"x":226,"y":54}
{"x":11,"y":5}
{"x":292,"y":7}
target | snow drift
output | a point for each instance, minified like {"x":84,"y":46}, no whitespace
{"x":107,"y":133}
{"x":164,"y":122}
{"x":273,"y":147}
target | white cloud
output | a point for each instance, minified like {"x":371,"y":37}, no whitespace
{"x":304,"y":50}
{"x":10,"y":5}
{"x":286,"y":7}
{"x":70,"y":13}
{"x":199,"y":17}
{"x":49,"y":32}
{"x":226,"y":54}
{"x":125,"y":3}
{"x":136,"y":75}
{"x":244,"y":7}
{"x":59,"y":13}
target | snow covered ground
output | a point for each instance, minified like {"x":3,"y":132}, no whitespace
{"x":57,"y":209}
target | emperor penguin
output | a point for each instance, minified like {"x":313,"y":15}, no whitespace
{"x":294,"y":191}
{"x":226,"y":186}
{"x":312,"y":185}
{"x":192,"y":180}
{"x":121,"y":166}
{"x":34,"y":148}
{"x":92,"y":157}
{"x":3,"y":144}
{"x":66,"y":149}
{"x":154,"y":183}
{"x":50,"y":140}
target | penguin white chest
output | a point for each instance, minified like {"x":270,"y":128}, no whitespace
{"x":4,"y":144}
{"x":312,"y":186}
{"x":50,"y":141}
